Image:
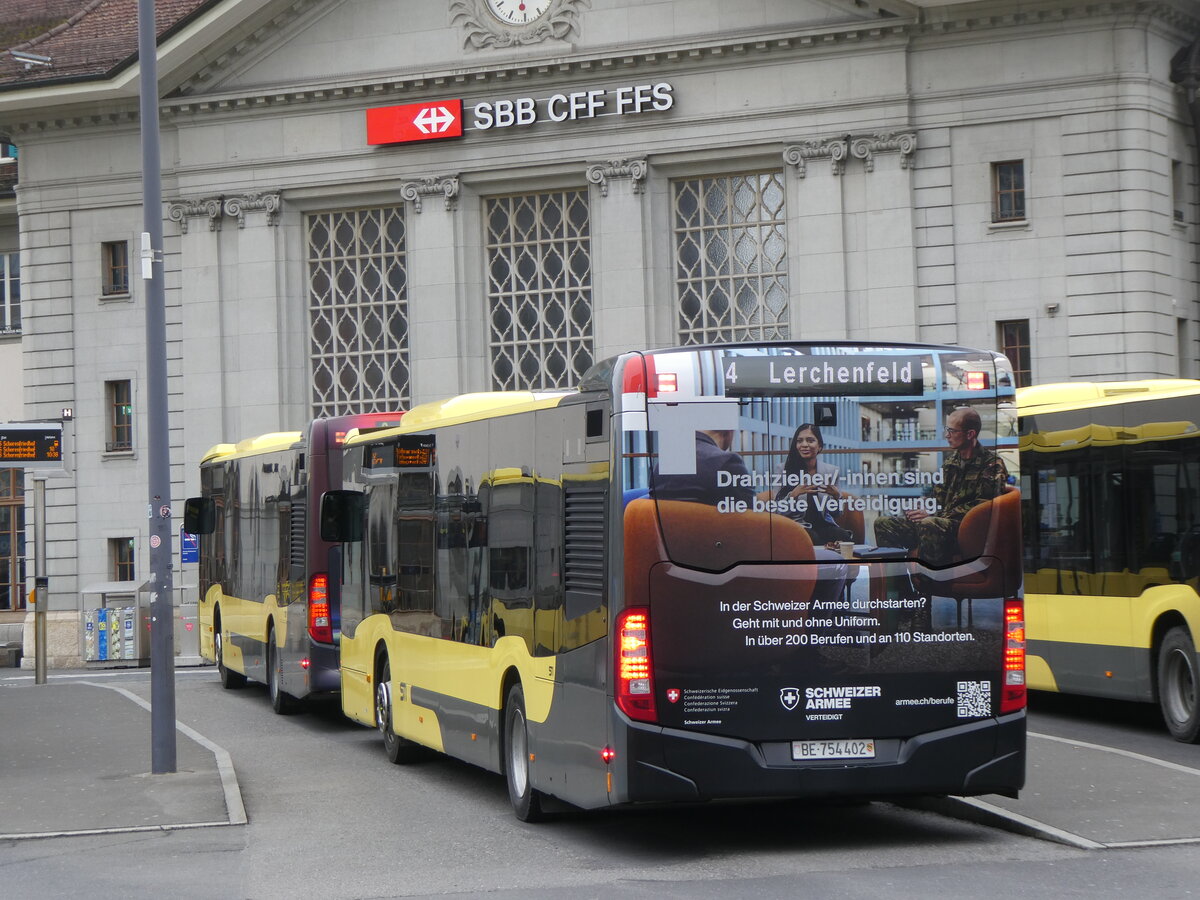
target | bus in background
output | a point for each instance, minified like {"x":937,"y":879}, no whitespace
{"x":267,"y":610}
{"x":1110,"y":476}
{"x":613,"y":594}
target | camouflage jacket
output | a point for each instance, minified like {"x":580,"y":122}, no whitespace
{"x":968,"y":482}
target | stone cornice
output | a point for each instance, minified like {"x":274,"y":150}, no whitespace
{"x":960,"y":20}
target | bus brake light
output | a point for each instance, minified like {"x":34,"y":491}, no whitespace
{"x":634,"y":665}
{"x":1012,"y":692}
{"x":319,"y":626}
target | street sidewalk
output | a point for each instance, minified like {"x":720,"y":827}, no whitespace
{"x":75,"y":758}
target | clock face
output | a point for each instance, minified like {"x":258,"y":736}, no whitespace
{"x":518,"y":12}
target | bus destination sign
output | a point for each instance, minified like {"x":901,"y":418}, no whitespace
{"x":822,"y":376}
{"x":31,"y":445}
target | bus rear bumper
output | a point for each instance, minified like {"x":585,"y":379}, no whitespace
{"x":985,"y":757}
{"x":323,"y":676}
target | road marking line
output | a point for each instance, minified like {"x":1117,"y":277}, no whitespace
{"x":1161,"y":842}
{"x":1166,"y":764}
{"x":234,"y":806}
{"x":1025,"y":825}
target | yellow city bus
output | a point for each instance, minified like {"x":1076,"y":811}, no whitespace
{"x":1110,"y":481}
{"x":265,"y":607}
{"x":525,"y":588}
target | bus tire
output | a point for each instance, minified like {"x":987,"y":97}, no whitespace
{"x":230,"y":680}
{"x":282,"y":702}
{"x":526,"y":801}
{"x":399,"y":750}
{"x":1177,"y":681}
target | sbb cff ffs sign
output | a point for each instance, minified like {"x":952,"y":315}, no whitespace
{"x":414,"y":122}
{"x":31,"y":446}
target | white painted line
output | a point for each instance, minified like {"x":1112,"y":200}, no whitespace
{"x":234,"y":806}
{"x":127,"y":829}
{"x":1129,"y":754}
{"x":1161,"y":842}
{"x":1032,"y":827}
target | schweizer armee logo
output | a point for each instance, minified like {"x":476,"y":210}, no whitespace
{"x":789,"y":697}
{"x":673,"y":695}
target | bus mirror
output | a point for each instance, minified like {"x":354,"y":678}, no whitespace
{"x":342,"y":514}
{"x":199,"y":515}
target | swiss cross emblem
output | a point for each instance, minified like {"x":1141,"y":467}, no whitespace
{"x":790,"y":698}
{"x":673,"y":695}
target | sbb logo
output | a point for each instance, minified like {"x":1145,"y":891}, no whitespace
{"x":414,"y":122}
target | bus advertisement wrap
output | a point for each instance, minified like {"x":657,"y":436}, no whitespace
{"x":870,"y":638}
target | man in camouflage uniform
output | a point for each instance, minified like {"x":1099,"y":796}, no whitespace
{"x":971,"y":475}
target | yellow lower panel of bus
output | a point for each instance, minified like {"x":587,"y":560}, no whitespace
{"x":1101,"y":644}
{"x":454,"y":671}
{"x":239,"y":619}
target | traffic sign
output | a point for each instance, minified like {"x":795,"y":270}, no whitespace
{"x":433,"y":120}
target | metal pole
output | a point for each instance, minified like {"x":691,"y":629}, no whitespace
{"x":40,"y":582}
{"x":162,"y":607}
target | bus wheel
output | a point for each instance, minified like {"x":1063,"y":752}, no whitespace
{"x":282,"y":702}
{"x":230,"y":680}
{"x":526,"y":802}
{"x":399,"y":750}
{"x":1177,"y":686}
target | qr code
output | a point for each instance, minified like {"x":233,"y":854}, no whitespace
{"x":974,"y":699}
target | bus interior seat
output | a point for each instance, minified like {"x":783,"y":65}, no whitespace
{"x":703,"y":537}
{"x":990,"y":528}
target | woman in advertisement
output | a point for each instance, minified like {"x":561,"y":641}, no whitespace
{"x":814,"y":477}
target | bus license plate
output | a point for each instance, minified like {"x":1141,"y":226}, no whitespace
{"x":833,"y":749}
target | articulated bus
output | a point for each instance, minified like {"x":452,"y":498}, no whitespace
{"x":1110,"y":478}
{"x":613,"y":595}
{"x":265,"y":604}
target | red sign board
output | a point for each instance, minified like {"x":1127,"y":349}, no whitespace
{"x":414,"y":122}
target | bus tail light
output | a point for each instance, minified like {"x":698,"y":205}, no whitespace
{"x":1012,"y":692}
{"x":634,"y":666}
{"x":320,"y":628}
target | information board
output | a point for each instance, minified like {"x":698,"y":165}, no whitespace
{"x":36,"y":445}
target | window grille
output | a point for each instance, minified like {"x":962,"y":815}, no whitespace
{"x":731,"y":258}
{"x":12,"y":539}
{"x":120,"y":416}
{"x":1008,"y":185}
{"x":10,"y":293}
{"x":539,"y":287}
{"x":115,"y":267}
{"x":358,"y":311}
{"x":121,"y":551}
{"x":1014,"y":343}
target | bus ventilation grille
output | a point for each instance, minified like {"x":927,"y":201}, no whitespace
{"x":296,"y":535}
{"x":583,"y":552}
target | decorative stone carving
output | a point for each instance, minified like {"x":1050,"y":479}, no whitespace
{"x":182,"y":210}
{"x":633,"y":169}
{"x":447,"y":186}
{"x":482,"y":29}
{"x":866,"y":147}
{"x":863,"y":147}
{"x":240,"y":204}
{"x":836,"y":149}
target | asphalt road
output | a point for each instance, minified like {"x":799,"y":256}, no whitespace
{"x":330,"y":817}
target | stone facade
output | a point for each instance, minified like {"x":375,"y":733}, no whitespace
{"x":882,"y":121}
